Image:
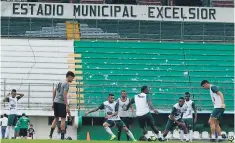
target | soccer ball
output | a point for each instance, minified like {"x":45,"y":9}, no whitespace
{"x":231,"y":139}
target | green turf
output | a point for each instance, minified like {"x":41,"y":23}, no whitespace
{"x":76,"y":141}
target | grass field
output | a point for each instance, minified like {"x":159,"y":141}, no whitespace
{"x":77,"y":141}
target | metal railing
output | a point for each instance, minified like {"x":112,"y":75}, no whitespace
{"x":41,"y":100}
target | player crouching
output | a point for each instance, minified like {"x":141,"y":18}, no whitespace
{"x":175,"y":119}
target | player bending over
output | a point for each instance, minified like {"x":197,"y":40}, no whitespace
{"x":143,"y":106}
{"x":112,"y":118}
{"x":219,"y":107}
{"x":12,"y":117}
{"x":24,"y":125}
{"x":60,"y":103}
{"x":188,"y":116}
{"x":175,"y":119}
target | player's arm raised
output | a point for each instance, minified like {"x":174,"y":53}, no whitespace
{"x":101,"y":107}
{"x":20,"y":95}
{"x":151,"y":105}
{"x":195,"y":112}
{"x":6,"y":99}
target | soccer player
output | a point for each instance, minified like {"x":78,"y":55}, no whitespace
{"x":188,"y":116}
{"x":60,"y":103}
{"x":219,"y":107}
{"x":123,"y":101}
{"x":143,"y":106}
{"x":31,"y":131}
{"x":24,"y":125}
{"x":175,"y":119}
{"x":12,"y":116}
{"x":112,"y":118}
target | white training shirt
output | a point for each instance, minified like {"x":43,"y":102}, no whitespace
{"x":4,"y":121}
{"x":141,"y":104}
{"x":215,"y":97}
{"x":110,"y":108}
{"x":122,"y":106}
{"x":189,"y":110}
{"x":178,"y":111}
{"x":12,"y":105}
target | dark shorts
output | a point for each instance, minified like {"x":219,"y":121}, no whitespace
{"x":217,"y":113}
{"x":189,"y":123}
{"x":171,"y":124}
{"x":118,"y":123}
{"x":60,"y":110}
{"x":23,"y":132}
{"x":147,"y":118}
{"x":12,"y":119}
{"x":126,"y":120}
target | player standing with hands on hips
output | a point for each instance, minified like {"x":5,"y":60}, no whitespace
{"x":217,"y":98}
{"x":60,"y":103}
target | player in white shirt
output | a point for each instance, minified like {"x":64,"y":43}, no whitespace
{"x":217,"y":98}
{"x":12,"y":116}
{"x":143,"y":106}
{"x":175,"y":119}
{"x":4,"y":121}
{"x":112,"y":118}
{"x":124,"y":114}
{"x":188,"y":116}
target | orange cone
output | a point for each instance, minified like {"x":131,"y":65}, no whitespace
{"x":88,"y":137}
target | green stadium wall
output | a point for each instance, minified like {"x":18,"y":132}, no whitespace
{"x":170,"y":69}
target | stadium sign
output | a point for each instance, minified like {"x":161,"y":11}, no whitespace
{"x":121,"y":12}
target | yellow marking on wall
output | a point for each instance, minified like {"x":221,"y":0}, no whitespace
{"x":74,"y":89}
{"x":72,"y":30}
{"x":71,"y":55}
{"x":75,"y":66}
{"x":72,"y":61}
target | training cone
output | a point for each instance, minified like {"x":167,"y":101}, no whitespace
{"x":88,"y":137}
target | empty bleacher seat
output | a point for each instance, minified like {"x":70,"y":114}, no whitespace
{"x":196,"y":135}
{"x":205,"y":135}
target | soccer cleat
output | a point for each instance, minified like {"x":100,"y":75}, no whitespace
{"x":112,"y":137}
{"x":134,"y":140}
{"x":50,"y":137}
{"x":220,"y":139}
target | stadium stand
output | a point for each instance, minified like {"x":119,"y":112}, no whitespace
{"x":170,"y":70}
{"x":113,"y":29}
{"x":32,"y":67}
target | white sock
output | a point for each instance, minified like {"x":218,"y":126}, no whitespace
{"x":213,"y":136}
{"x":129,"y":133}
{"x":187,"y":137}
{"x":181,"y":134}
{"x":12,"y":131}
{"x":9,"y":133}
{"x":109,"y":131}
{"x":191,"y":135}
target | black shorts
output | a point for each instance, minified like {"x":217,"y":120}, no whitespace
{"x":60,"y":110}
{"x":23,"y":132}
